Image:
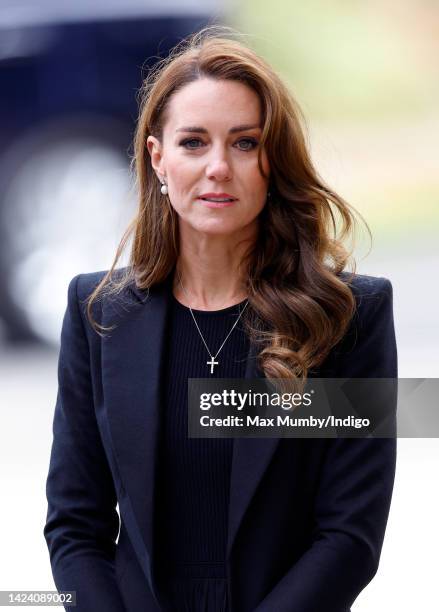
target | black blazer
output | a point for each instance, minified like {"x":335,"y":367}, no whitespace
{"x":307,"y":517}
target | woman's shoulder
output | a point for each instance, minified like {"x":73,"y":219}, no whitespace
{"x":82,"y":286}
{"x":368,"y":348}
{"x":88,"y":281}
{"x":370,"y":292}
{"x":364,"y":283}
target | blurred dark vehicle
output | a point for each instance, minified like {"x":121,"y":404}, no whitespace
{"x":69,"y":77}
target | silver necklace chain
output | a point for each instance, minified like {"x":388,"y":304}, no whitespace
{"x":212,"y":363}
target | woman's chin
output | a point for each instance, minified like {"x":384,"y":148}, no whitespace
{"x":216,"y":227}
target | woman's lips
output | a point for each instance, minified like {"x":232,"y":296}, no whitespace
{"x":212,"y":204}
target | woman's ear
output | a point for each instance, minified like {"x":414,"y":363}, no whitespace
{"x":154,"y":147}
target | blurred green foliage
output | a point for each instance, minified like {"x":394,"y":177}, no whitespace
{"x":351,"y":59}
{"x":360,"y":64}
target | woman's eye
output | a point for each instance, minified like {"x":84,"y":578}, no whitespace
{"x":189,"y":143}
{"x":249,"y":144}
{"x":244,"y":144}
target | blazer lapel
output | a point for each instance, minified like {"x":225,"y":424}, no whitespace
{"x":132,"y":381}
{"x":132,"y":365}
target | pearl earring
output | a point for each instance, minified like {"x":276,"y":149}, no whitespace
{"x":164,"y":189}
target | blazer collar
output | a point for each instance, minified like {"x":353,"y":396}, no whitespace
{"x":132,"y":366}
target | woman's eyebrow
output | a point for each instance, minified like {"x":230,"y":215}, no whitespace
{"x":233,"y":130}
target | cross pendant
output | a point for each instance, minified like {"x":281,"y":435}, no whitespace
{"x":212,"y":364}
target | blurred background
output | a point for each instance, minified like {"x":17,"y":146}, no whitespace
{"x":366,"y":77}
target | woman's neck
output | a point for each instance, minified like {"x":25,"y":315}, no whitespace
{"x":209,"y":275}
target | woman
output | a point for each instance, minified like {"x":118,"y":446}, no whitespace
{"x":233,"y":273}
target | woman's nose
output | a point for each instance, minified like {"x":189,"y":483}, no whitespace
{"x":219,"y":168}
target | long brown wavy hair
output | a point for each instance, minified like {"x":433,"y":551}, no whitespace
{"x":300,"y":306}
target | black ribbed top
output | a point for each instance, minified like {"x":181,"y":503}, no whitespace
{"x":193,"y":477}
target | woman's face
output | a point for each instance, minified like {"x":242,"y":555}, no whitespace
{"x":209,"y":153}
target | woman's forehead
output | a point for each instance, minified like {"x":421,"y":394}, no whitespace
{"x":213,"y":102}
